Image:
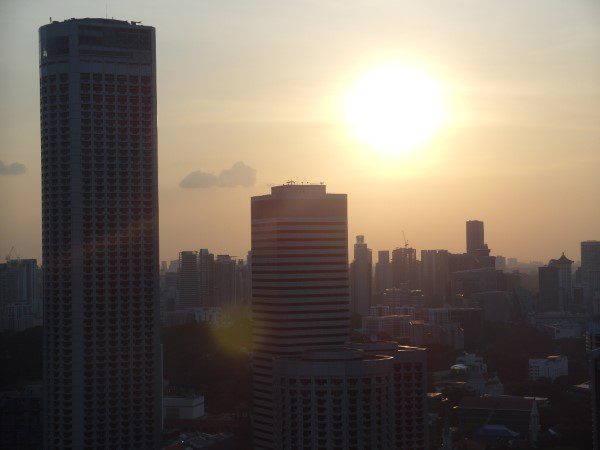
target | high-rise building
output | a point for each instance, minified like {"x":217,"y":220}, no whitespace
{"x":18,"y":281}
{"x":206,"y":277}
{"x":475,"y":236}
{"x":590,"y":274}
{"x":409,"y":393}
{"x":435,"y":275}
{"x":361,"y":276}
{"x":404,"y":267}
{"x":549,"y":282}
{"x":188,"y":295}
{"x":224,"y":281}
{"x":383,"y":272}
{"x":565,"y":283}
{"x":594,"y":361}
{"x":102,"y":362}
{"x":300,"y":289}
{"x":335,"y":398}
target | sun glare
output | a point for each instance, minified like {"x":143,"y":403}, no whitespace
{"x":394,"y":108}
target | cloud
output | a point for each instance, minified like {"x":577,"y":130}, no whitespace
{"x":12,"y":169}
{"x":238,"y":175}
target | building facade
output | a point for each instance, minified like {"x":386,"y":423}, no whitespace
{"x":334,"y":398}
{"x":300,"y":288}
{"x":102,"y":362}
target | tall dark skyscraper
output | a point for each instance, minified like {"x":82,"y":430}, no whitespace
{"x":300,"y":292}
{"x":590,"y":274}
{"x":475,"y":236}
{"x":188,"y":285}
{"x":361,"y":276}
{"x":102,"y":372}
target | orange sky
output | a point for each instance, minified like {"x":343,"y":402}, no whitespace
{"x":262,"y":83}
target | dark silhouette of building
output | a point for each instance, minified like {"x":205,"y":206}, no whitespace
{"x":188,"y":295}
{"x":590,"y":274}
{"x":435,"y":276}
{"x":361,"y":276}
{"x":594,"y":362}
{"x":206,"y":277}
{"x":300,"y":288}
{"x":383,"y":272}
{"x":102,"y":362}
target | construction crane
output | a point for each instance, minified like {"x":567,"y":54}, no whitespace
{"x":10,"y":253}
{"x":405,"y":241}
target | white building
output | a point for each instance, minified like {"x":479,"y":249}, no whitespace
{"x":550,"y":367}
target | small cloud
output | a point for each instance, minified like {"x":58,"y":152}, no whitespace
{"x":238,"y":175}
{"x":12,"y":169}
{"x":199,"y":179}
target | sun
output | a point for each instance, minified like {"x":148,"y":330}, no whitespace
{"x":394,"y":108}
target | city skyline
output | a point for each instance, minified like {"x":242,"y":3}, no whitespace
{"x":515,"y":133}
{"x":378,"y":221}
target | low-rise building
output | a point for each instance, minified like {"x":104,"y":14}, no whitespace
{"x":180,"y":405}
{"x":518,"y":414}
{"x":550,"y":367}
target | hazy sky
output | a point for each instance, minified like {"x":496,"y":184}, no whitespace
{"x":261,"y":83}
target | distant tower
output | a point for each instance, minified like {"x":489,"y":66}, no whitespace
{"x":206,"y":277}
{"x":361,"y":276}
{"x":383,"y":272}
{"x":300,"y":290}
{"x":102,"y":362}
{"x":475,"y":236}
{"x":188,"y":295}
{"x":435,"y":276}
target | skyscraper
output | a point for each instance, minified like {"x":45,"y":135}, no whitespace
{"x":206,"y":276}
{"x":383,"y":272}
{"x":475,"y":236}
{"x":188,"y":295}
{"x":435,"y":269}
{"x":361,"y":276}
{"x":590,"y":274}
{"x":300,"y":297}
{"x":404,"y":263}
{"x":102,"y":364}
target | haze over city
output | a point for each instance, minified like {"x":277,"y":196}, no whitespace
{"x":266,"y":84}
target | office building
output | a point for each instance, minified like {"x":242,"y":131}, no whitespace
{"x":300,"y":289}
{"x":476,"y":239}
{"x":206,"y":274}
{"x":383,"y":272}
{"x":102,"y":362}
{"x":405,"y":267}
{"x":334,"y":398}
{"x":549,"y":283}
{"x":361,"y":276}
{"x":18,"y":281}
{"x":435,"y":277}
{"x":224,"y":289}
{"x":188,"y":295}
